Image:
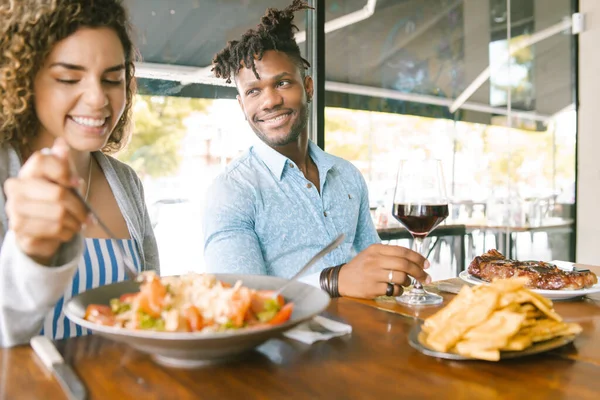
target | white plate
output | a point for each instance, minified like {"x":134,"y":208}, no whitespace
{"x":550,"y":294}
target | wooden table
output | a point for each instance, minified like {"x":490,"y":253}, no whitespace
{"x":375,"y":361}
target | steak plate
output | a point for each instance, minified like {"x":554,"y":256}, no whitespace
{"x":542,"y":275}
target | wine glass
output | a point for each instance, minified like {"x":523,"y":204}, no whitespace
{"x":420,"y":204}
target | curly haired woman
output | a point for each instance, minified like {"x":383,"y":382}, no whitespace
{"x":66,"y":91}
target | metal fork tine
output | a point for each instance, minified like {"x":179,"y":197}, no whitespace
{"x":129,"y":269}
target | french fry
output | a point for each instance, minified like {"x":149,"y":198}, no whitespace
{"x":499,"y":327}
{"x":517,"y":343}
{"x":477,"y":350}
{"x":466,"y":310}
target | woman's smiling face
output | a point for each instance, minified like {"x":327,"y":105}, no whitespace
{"x":80,"y":91}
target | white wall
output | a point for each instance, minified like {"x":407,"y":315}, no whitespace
{"x":588,"y":145}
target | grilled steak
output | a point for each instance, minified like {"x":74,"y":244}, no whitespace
{"x":542,"y":275}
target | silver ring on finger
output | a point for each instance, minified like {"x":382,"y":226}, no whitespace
{"x":391,"y":276}
{"x":389,"y":291}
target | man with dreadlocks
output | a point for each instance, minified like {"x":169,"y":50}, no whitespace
{"x":283,"y":200}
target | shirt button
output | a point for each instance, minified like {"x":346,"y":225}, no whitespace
{"x":309,"y":185}
{"x":324,"y":213}
{"x":291,"y":165}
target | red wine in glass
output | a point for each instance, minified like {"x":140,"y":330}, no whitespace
{"x":420,"y":204}
{"x":420,"y":219}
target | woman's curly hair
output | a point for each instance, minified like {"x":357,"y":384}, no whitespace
{"x":29,"y":29}
{"x":275,"y":32}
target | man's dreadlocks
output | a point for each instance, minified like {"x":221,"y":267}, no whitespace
{"x":275,"y":32}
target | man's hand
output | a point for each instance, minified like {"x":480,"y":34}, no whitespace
{"x":367,"y":275}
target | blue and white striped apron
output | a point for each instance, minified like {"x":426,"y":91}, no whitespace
{"x":100,"y":265}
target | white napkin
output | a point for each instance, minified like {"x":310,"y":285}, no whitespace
{"x":319,"y":328}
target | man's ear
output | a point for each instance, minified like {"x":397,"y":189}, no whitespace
{"x":239,"y":99}
{"x":309,"y":87}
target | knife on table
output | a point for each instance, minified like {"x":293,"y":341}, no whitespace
{"x":52,"y":359}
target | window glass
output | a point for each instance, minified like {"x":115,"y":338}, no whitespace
{"x":394,"y":70}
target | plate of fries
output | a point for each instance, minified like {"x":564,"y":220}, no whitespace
{"x":493,"y":322}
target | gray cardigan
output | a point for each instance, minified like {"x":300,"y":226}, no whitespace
{"x":28,"y":291}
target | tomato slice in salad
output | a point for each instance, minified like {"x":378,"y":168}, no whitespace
{"x":100,"y":314}
{"x":128,"y":297}
{"x":194,"y":318}
{"x":151,"y":298}
{"x":283,"y":315}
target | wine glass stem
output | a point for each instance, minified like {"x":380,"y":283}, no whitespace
{"x":418,"y":248}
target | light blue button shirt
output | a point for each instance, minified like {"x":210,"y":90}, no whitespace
{"x":263,"y":216}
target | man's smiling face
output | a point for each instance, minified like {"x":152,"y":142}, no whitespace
{"x":276,"y":105}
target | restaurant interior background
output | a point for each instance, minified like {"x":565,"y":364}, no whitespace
{"x":400,"y":78}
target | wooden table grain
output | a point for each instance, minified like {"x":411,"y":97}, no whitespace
{"x":375,"y":361}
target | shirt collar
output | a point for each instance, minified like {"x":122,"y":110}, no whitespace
{"x":276,"y":161}
{"x":323,"y":161}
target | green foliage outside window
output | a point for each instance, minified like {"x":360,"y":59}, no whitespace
{"x":159,"y":127}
